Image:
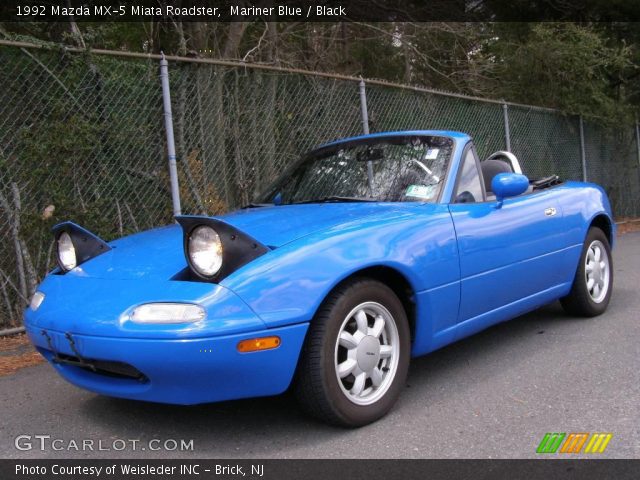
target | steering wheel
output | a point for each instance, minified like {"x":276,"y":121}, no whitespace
{"x":426,"y":170}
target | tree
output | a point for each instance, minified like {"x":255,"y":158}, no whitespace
{"x":567,"y":66}
{"x":587,"y":68}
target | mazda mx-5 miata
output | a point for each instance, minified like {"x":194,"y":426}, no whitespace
{"x":365,"y":253}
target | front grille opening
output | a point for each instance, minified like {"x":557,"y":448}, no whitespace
{"x":103,"y":367}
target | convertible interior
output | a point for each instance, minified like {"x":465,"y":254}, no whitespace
{"x":498,"y":162}
{"x":507,"y":162}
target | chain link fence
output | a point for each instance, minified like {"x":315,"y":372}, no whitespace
{"x":236,"y":129}
{"x":82,"y":138}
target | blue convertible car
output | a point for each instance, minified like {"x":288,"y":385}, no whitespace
{"x":365,"y":253}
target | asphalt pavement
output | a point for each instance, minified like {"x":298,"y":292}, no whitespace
{"x":493,"y":395}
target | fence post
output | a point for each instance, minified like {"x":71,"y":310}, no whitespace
{"x":638,"y":140}
{"x":168,"y":126}
{"x":363,"y":107}
{"x":583,"y":156}
{"x":507,"y":132}
{"x":365,"y":128}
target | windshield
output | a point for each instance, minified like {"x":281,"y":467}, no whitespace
{"x":389,"y":169}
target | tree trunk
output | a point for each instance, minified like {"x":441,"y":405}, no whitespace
{"x":199,"y":36}
{"x":234,"y":37}
{"x":13,"y":214}
{"x":182,"y":144}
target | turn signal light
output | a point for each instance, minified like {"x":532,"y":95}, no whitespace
{"x":257,"y":344}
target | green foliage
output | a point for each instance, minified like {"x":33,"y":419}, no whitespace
{"x":588,"y":68}
{"x":565,"y":66}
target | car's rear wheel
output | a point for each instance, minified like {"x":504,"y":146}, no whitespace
{"x":356,"y":355}
{"x":593,"y":283}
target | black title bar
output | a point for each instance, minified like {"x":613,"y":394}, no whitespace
{"x":319,"y":10}
{"x":201,"y":469}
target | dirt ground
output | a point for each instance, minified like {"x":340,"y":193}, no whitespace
{"x":626,"y":225}
{"x":16,"y":351}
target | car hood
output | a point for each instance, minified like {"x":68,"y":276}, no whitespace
{"x":158,"y":253}
{"x":277,"y":226}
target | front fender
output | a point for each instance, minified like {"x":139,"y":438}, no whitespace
{"x":288,"y":284}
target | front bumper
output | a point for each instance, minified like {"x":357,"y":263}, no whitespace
{"x":179,"y":371}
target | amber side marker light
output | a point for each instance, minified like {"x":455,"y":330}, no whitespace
{"x":257,"y":344}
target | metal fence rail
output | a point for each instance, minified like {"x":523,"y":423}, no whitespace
{"x":82,"y":137}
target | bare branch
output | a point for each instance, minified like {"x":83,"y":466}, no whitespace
{"x":13,"y":214}
{"x":257,"y":47}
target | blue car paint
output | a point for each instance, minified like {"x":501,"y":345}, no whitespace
{"x":162,"y":257}
{"x":411,"y":238}
{"x":529,"y":263}
{"x":579,"y":210}
{"x":460,"y":261}
{"x":458,"y":137}
{"x":509,"y":185}
{"x":186,"y":371}
{"x":99,"y":307}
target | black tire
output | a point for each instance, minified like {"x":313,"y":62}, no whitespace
{"x":317,"y":386}
{"x":580,"y":302}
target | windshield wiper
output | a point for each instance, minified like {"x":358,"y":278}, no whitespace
{"x":257,"y":205}
{"x":336,"y":199}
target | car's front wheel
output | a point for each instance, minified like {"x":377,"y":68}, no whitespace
{"x":356,"y":355}
{"x":593,"y":283}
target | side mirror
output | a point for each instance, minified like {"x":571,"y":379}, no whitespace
{"x":506,"y":185}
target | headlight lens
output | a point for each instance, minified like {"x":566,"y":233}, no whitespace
{"x":66,"y":252}
{"x":167,"y":313}
{"x":205,"y":251}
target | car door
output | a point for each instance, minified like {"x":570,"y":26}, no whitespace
{"x":509,"y":255}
